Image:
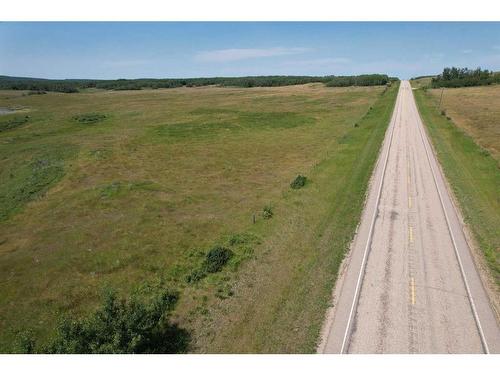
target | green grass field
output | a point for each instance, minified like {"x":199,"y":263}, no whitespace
{"x":131,"y":189}
{"x":473,"y":171}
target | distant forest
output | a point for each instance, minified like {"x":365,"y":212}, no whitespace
{"x":461,"y":77}
{"x":74,"y":85}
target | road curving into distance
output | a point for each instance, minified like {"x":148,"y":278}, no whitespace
{"x":410,"y":283}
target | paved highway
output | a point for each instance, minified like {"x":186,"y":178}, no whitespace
{"x":410,"y":285}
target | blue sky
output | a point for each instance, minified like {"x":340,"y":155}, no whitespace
{"x":203,"y":49}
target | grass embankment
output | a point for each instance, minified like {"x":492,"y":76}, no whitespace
{"x":472,"y":171}
{"x":131,"y":190}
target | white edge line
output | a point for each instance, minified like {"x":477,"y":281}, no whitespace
{"x":370,"y":233}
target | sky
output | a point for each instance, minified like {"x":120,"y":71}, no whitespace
{"x":110,"y":50}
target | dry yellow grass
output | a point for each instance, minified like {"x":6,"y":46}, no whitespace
{"x":476,"y":110}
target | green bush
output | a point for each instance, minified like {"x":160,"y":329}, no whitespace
{"x":196,"y":275}
{"x":214,"y":261}
{"x":89,"y":118}
{"x":267,"y":212}
{"x":298,"y":182}
{"x":26,"y":342}
{"x":216,"y":258}
{"x":119,"y":326}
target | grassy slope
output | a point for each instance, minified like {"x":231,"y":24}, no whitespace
{"x":474,"y":176}
{"x":140,"y":197}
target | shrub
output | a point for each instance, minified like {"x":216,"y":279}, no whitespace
{"x":196,"y":275}
{"x":443,"y":113}
{"x":298,"y":182}
{"x":89,"y":118}
{"x":121,"y":326}
{"x":26,"y":342}
{"x":484,"y":152}
{"x":216,"y":258}
{"x":267,"y":212}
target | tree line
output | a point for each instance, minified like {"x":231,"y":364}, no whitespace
{"x":74,"y":85}
{"x":361,"y":80}
{"x":462,"y":77}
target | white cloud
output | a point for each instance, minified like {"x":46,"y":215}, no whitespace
{"x":467,"y":51}
{"x":320,"y":62}
{"x":235,"y":54}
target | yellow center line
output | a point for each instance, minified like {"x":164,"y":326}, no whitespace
{"x":409,"y":174}
{"x":411,"y":234}
{"x":412,"y":286}
{"x":409,"y":202}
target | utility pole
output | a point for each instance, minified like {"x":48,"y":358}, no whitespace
{"x":441,"y":98}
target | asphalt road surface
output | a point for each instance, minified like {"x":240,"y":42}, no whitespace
{"x":411,"y":285}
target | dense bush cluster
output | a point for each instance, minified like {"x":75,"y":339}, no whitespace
{"x":298,"y":182}
{"x":462,"y":77}
{"x":73,"y":85}
{"x":214,"y":261}
{"x":118,"y":326}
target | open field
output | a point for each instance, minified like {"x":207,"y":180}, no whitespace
{"x":467,"y":145}
{"x":131,"y":189}
{"x":476,"y":110}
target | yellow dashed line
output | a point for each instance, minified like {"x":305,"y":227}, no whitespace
{"x":409,"y":202}
{"x":412,"y":287}
{"x":411,"y":234}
